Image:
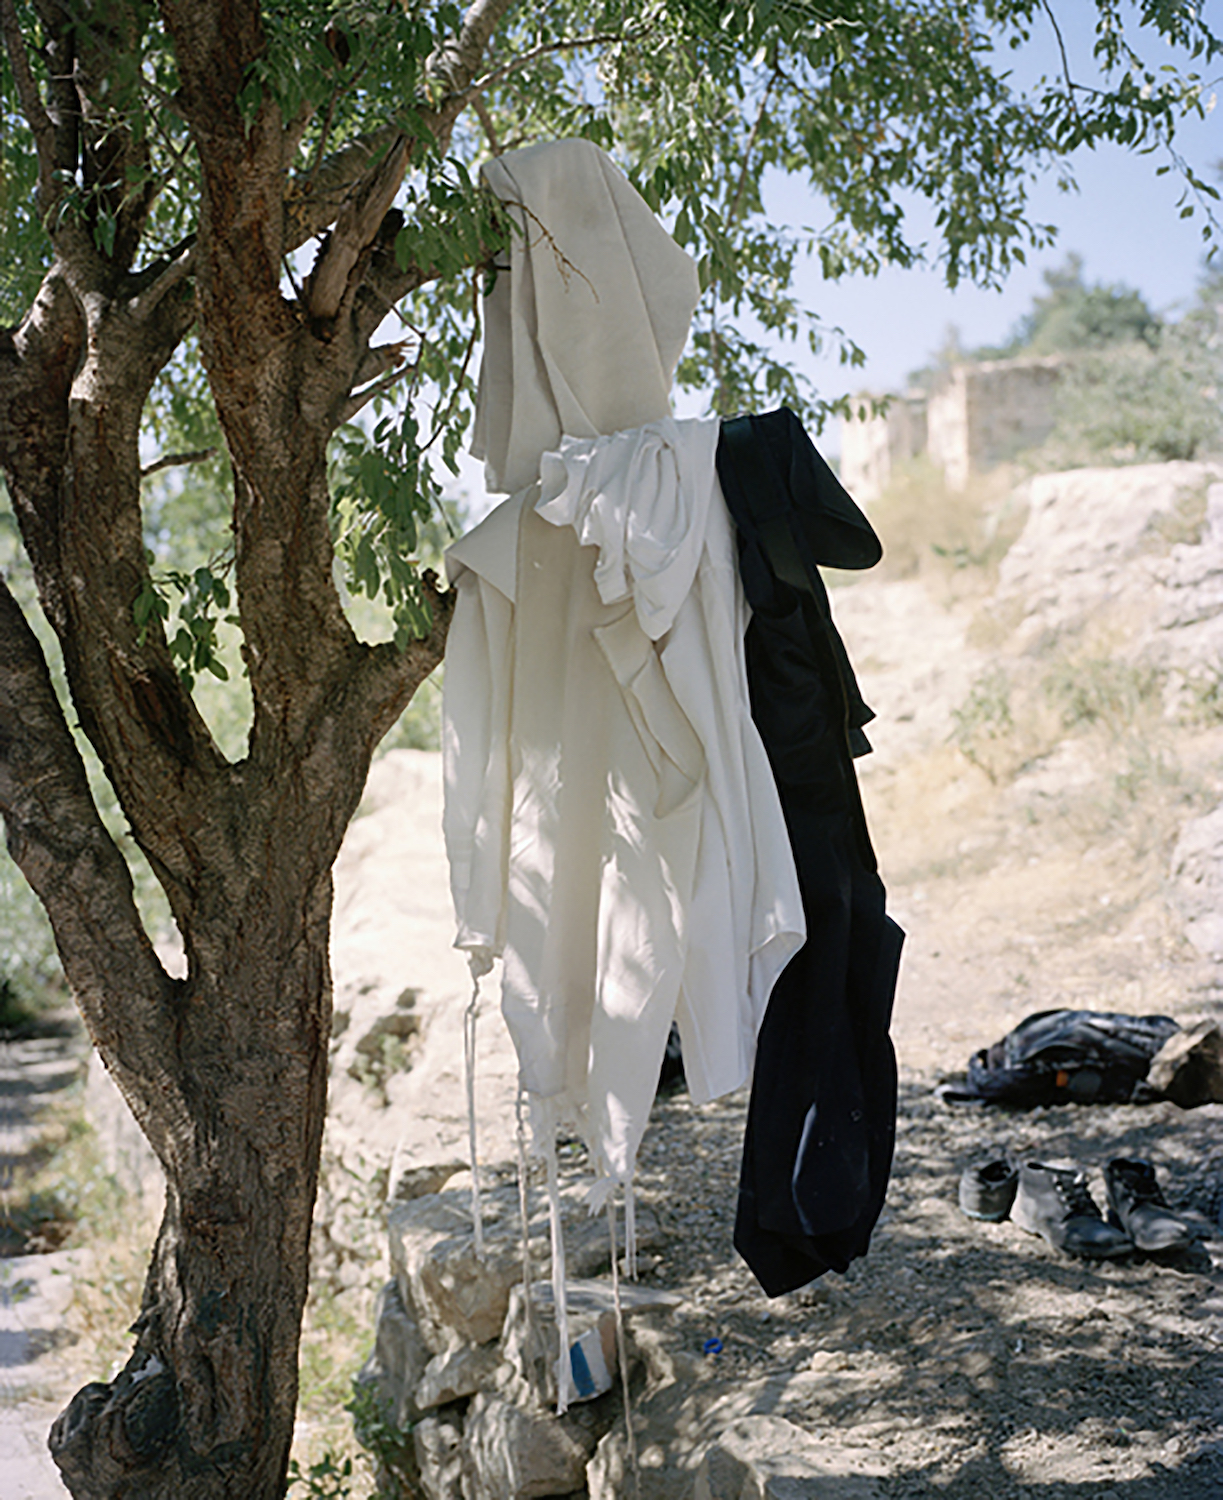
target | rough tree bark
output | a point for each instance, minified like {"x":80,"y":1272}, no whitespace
{"x":225,"y":1069}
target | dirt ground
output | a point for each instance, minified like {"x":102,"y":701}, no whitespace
{"x":969,"y":1359}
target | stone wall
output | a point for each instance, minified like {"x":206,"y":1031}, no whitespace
{"x":980,"y":415}
{"x":986,"y":413}
{"x":872,"y":446}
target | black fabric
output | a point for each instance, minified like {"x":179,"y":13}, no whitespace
{"x":821,"y":1124}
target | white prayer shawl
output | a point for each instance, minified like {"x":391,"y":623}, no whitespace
{"x":583,"y":333}
{"x":613,"y":827}
{"x":614,"y":830}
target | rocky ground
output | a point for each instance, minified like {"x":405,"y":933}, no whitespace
{"x":1048,"y":755}
{"x":967,"y":1359}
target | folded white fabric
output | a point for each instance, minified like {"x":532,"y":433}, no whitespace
{"x":582,"y":333}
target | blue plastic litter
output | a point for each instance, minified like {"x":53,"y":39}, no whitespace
{"x":582,"y":1378}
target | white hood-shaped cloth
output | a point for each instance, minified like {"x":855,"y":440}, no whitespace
{"x":613,"y":828}
{"x":583,"y":334}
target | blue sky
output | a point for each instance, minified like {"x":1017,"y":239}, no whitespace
{"x":1123,"y":220}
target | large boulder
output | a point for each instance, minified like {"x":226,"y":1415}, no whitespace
{"x":438,"y":1441}
{"x":1197,"y":882}
{"x":461,"y":1297}
{"x":458,"y":1373}
{"x":1188,"y":1068}
{"x":398,"y":1361}
{"x":513,"y":1454}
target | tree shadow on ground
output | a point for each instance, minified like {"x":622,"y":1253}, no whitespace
{"x":971,"y":1359}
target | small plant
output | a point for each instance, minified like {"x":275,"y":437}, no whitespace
{"x":984,"y":721}
{"x":16,"y":1012}
{"x":325,"y":1480}
{"x":1103,"y":691}
{"x":1203,"y":696}
{"x":390,"y":1445}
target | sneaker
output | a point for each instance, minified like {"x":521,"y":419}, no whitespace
{"x":1136,"y":1205}
{"x":1054,"y":1202}
{"x":987,"y":1190}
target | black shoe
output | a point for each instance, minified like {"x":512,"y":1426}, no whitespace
{"x":1136,"y":1205}
{"x":1054,"y":1202}
{"x":987,"y":1190}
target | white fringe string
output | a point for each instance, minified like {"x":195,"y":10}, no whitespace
{"x":524,"y":1216}
{"x":469,"y":1059}
{"x":622,"y":1345}
{"x":630,"y":1232}
{"x":565,"y":1389}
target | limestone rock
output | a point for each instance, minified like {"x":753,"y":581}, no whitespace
{"x":769,"y":1458}
{"x":457,"y":1295}
{"x":398,"y":1360}
{"x":1188,"y":1068}
{"x":529,"y":1344}
{"x":1066,"y":563}
{"x":609,"y":1475}
{"x":512,"y":1454}
{"x":462,"y":1372}
{"x":666,"y":1428}
{"x":439,"y":1455}
{"x":1197,"y":877}
{"x":419,"y":1182}
{"x":460,"y":1298}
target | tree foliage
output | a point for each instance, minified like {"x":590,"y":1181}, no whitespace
{"x":701,"y":100}
{"x":1148,"y":399}
{"x":1072,"y":317}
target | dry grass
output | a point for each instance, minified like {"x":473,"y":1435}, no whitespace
{"x":955,"y":538}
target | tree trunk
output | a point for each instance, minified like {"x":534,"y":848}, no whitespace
{"x":225,"y":1070}
{"x":204,"y":1407}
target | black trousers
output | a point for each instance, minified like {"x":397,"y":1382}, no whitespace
{"x":821,"y":1125}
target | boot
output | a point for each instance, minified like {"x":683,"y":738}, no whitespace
{"x":1054,"y":1202}
{"x":1136,"y":1205}
{"x":987,"y":1190}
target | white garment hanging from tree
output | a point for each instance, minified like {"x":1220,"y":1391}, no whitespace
{"x":612,"y":823}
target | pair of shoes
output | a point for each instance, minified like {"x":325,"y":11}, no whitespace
{"x":1054,"y":1202}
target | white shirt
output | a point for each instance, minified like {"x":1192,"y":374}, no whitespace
{"x":613,"y":827}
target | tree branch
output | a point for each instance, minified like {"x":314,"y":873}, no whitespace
{"x":32,"y":107}
{"x":312,"y":202}
{"x":1061,"y":47}
{"x":454,"y":63}
{"x":62,"y":847}
{"x":176,"y":270}
{"x":737,"y":201}
{"x":384,"y":683}
{"x":569,"y":44}
{"x":357,"y":224}
{"x":177,"y":460}
{"x":361,"y":399}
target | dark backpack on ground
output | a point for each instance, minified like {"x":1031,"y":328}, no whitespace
{"x":1065,"y":1057}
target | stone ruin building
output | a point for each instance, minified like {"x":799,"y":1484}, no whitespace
{"x":979,"y":415}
